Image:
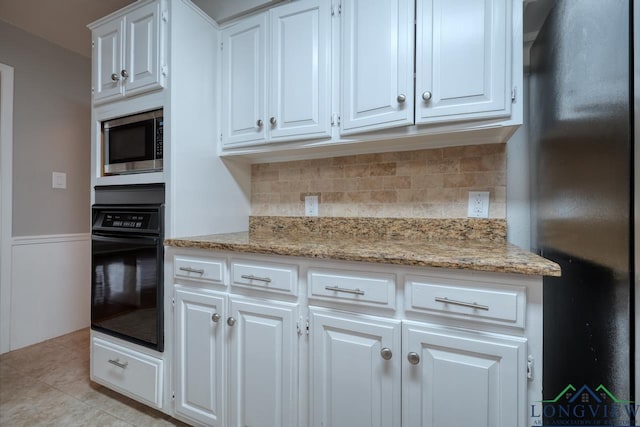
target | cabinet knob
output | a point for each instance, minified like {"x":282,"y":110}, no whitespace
{"x":124,"y":74}
{"x":413,"y":358}
{"x":386,"y":353}
{"x":259,"y":123}
{"x":401,"y":98}
{"x":215,"y":317}
{"x":115,"y":77}
{"x":273,"y":121}
{"x":426,"y":96}
{"x":231,"y":321}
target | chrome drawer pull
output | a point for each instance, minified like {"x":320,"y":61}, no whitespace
{"x":193,"y":270}
{"x":347,"y":291}
{"x":462,"y":303}
{"x":118,"y":364}
{"x":252,"y":277}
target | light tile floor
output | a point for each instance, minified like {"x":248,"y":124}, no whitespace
{"x":47,"y":384}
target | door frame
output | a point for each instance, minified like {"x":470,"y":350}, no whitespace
{"x":636,"y":202}
{"x":6,"y":196}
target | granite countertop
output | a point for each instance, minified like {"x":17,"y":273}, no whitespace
{"x":436,"y":243}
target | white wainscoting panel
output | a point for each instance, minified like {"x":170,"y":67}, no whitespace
{"x":50,"y":287}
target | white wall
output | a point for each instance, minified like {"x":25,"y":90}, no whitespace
{"x":6,"y":148}
{"x":50,"y":287}
{"x":51,"y":125}
{"x":48,"y":278}
{"x":518,"y":182}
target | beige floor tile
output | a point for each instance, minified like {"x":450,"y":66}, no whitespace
{"x":74,"y":370}
{"x":8,"y":375}
{"x":78,"y":339}
{"x":48,"y":384}
{"x":81,"y":389}
{"x":36,"y":403}
{"x":24,"y":357}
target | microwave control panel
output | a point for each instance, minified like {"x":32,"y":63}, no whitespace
{"x":159,"y":137}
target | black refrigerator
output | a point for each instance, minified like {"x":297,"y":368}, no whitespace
{"x":583,"y":132}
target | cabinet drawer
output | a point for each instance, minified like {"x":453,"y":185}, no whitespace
{"x":353,"y":287}
{"x":265,"y":276}
{"x":211,"y":270}
{"x":480,"y":301}
{"x":127,"y":371}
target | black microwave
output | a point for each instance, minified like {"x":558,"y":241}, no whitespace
{"x":133,"y":144}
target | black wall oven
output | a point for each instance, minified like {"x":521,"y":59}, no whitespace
{"x":127,"y":263}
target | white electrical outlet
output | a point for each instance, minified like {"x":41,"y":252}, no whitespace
{"x":311,"y":205}
{"x":478,"y":204}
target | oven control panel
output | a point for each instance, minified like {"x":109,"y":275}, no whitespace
{"x":126,"y":220}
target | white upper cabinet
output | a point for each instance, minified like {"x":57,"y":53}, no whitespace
{"x":376,"y":64}
{"x":142,"y":49}
{"x":107,"y":61}
{"x":127,"y":53}
{"x":462,"y":69}
{"x":244,"y":77}
{"x":463,"y":60}
{"x":300,"y":75}
{"x":276,"y":75}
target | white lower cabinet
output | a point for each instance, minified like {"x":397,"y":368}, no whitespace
{"x":263,"y":368}
{"x":459,"y":378}
{"x":355,"y":370}
{"x":449,"y":377}
{"x":349,"y":346}
{"x":127,"y":371}
{"x":235,"y":356}
{"x":199,"y":356}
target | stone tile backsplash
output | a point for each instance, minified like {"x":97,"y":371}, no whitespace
{"x":431,"y":183}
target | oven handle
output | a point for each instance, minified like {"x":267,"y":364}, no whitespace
{"x":124,"y":239}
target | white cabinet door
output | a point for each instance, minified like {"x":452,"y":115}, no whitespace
{"x":244,"y":81}
{"x":263,"y":364}
{"x":377,"y":64}
{"x":142,"y":60}
{"x":463,"y":60}
{"x":127,"y":54}
{"x":107,"y":61}
{"x":352,"y":385}
{"x":462,"y":379}
{"x":299,"y":104}
{"x":199,"y":377}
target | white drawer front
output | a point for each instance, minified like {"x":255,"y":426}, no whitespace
{"x":464,"y":299}
{"x":352,"y":287}
{"x":280,"y":278}
{"x":211,"y":270}
{"x":127,"y":371}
